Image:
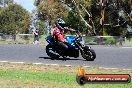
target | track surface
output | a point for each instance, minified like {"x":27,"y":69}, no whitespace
{"x":111,"y":57}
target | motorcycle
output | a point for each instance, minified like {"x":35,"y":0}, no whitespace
{"x":75,"y":46}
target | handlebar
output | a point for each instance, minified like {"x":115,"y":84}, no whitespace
{"x":79,"y":38}
{"x":76,"y":32}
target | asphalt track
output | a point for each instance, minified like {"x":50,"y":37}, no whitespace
{"x":110,"y":57}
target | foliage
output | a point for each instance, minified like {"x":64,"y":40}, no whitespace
{"x":116,"y":16}
{"x":91,"y":16}
{"x":110,"y":41}
{"x":41,"y":27}
{"x":73,"y":21}
{"x":37,"y":2}
{"x":6,"y":1}
{"x":50,"y":9}
{"x":14,"y":19}
{"x":80,"y":10}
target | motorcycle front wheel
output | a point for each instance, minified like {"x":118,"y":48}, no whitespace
{"x":88,"y":54}
{"x":51,"y":52}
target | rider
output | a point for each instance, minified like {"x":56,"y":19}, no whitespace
{"x":58,"y":34}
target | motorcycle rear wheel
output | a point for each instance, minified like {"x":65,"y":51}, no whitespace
{"x":52,"y":54}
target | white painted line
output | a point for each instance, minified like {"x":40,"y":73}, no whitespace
{"x":108,"y":68}
{"x":114,"y":68}
{"x":86,"y":66}
{"x":17,"y":62}
{"x":68,"y":65}
{"x":126,"y":69}
{"x":3,"y":61}
{"x":126,"y":47}
{"x":54,"y":64}
{"x":38,"y":63}
{"x":47,"y":64}
{"x":59,"y":65}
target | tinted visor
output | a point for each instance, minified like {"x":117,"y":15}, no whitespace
{"x":62,"y":25}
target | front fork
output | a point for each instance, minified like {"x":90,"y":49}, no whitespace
{"x":82,"y":47}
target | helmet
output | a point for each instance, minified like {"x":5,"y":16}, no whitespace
{"x":60,"y":23}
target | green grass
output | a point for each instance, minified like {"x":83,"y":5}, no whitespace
{"x":42,"y":76}
{"x":38,"y":76}
{"x":52,"y":77}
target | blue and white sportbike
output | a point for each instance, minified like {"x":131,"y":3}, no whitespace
{"x":75,"y":46}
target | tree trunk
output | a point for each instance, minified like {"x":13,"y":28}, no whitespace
{"x":90,"y":20}
{"x":102,"y":21}
{"x":80,"y":14}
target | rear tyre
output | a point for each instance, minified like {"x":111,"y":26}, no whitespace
{"x":51,"y":52}
{"x":88,"y":54}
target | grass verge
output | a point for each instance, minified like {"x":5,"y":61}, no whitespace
{"x":44,"y":76}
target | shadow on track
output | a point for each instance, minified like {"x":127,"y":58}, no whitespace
{"x":60,"y":58}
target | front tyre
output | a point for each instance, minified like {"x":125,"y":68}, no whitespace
{"x":51,"y":52}
{"x":88,"y":54}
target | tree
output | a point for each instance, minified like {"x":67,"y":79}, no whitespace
{"x":113,"y":14}
{"x":81,"y":8}
{"x":41,"y":27}
{"x":5,"y":2}
{"x":49,"y":9}
{"x":95,"y":16}
{"x":14,"y":20}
